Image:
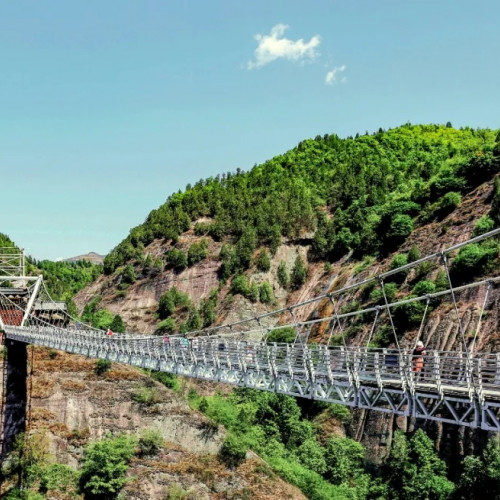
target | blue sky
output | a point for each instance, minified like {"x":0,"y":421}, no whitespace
{"x":107,"y":107}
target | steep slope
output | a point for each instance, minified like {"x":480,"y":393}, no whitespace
{"x":348,"y":209}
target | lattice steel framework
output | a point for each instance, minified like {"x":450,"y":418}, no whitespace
{"x":12,"y":262}
{"x":376,"y":379}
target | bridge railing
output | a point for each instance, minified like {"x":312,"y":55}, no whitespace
{"x":440,"y":371}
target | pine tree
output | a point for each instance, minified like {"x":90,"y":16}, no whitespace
{"x":299,"y":273}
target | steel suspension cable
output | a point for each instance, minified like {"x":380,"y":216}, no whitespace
{"x":488,"y":288}
{"x":469,"y":366}
{"x":336,"y":314}
{"x":372,"y":330}
{"x":422,"y":322}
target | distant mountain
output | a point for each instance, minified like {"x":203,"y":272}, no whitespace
{"x":93,"y":257}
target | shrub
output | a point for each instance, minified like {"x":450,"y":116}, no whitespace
{"x":424,"y":287}
{"x":286,"y":335}
{"x":17,"y":494}
{"x":495,"y":203}
{"x":176,"y":492}
{"x":253,"y":292}
{"x":102,"y":366}
{"x":399,"y":260}
{"x":312,"y":456}
{"x":473,"y":260}
{"x":60,"y":478}
{"x":170,"y":300}
{"x":390,"y":292}
{"x":167,"y":379}
{"x":340,"y":412}
{"x":202,"y":228}
{"x":232,"y":452}
{"x":401,"y":226}
{"x":166,"y":326}
{"x":150,"y":442}
{"x":447,"y":204}
{"x":146,"y":396}
{"x":177,"y":259}
{"x":383,"y":336}
{"x":408,"y":315}
{"x":128,"y":274}
{"x":414,"y":254}
{"x":344,"y":460}
{"x":483,"y":225}
{"x":239,"y":285}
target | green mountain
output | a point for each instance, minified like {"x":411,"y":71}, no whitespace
{"x":364,"y":194}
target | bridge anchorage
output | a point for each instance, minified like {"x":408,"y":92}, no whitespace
{"x":337,"y":358}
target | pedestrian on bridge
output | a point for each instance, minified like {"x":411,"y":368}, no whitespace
{"x":418,"y":357}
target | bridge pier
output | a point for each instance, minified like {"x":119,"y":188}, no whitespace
{"x":14,"y":396}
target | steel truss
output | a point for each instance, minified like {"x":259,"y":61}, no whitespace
{"x":354,"y":377}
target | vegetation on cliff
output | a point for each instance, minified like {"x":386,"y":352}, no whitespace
{"x":364,"y":194}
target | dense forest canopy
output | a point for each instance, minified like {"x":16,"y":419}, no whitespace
{"x":364,"y":194}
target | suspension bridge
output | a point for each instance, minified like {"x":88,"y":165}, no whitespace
{"x":458,"y":384}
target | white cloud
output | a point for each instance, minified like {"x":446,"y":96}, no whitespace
{"x":331,"y":76}
{"x":274,"y":46}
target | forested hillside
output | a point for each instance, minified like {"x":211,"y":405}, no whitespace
{"x":364,"y":194}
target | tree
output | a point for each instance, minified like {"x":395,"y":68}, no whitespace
{"x":117,"y":325}
{"x":197,"y":252}
{"x":344,"y":460}
{"x":102,"y":319}
{"x":263,"y":261}
{"x":239,"y":285}
{"x":282,"y":274}
{"x":481,"y":474}
{"x":401,"y":227}
{"x":266,"y":293}
{"x":414,"y":470}
{"x":253,"y":292}
{"x":128,"y":274}
{"x":299,"y":273}
{"x":208,"y":308}
{"x":194,"y":321}
{"x":414,"y":254}
{"x":177,"y":259}
{"x":166,"y":305}
{"x":105,"y":465}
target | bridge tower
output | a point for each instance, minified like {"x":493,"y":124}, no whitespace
{"x":18,"y":294}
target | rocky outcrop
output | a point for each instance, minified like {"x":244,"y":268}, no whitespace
{"x":74,"y":405}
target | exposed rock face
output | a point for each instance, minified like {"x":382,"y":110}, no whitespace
{"x":67,"y":395}
{"x":75,"y":405}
